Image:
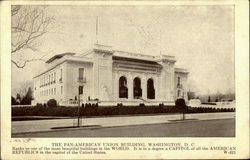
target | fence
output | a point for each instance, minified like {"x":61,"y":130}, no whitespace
{"x":22,"y":105}
{"x":216,"y":105}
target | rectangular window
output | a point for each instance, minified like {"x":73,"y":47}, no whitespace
{"x":49,"y":80}
{"x":52,"y":78}
{"x":179,"y":81}
{"x":55,"y":77}
{"x":61,"y":72}
{"x":80,"y":90}
{"x":81,"y":73}
{"x":61,"y":89}
{"x":54,"y":91}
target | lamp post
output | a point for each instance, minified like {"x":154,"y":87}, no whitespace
{"x":80,"y":91}
{"x":78,"y":111}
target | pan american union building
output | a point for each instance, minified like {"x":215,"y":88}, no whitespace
{"x":109,"y":77}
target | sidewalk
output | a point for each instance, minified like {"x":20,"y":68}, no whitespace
{"x":46,"y":125}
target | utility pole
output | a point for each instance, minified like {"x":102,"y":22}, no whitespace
{"x":80,"y":91}
{"x":78,"y":111}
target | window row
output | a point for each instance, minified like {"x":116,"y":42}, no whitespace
{"x":50,"y":92}
{"x":50,"y":79}
{"x":137,"y":90}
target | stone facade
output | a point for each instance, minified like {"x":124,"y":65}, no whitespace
{"x":109,"y":77}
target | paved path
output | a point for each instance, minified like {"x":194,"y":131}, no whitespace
{"x":204,"y":128}
{"x":46,"y":125}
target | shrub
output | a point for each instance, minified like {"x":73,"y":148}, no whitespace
{"x":39,"y":105}
{"x":94,"y":110}
{"x":180,"y":105}
{"x":52,"y":103}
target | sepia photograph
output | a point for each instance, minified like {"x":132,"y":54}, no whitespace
{"x":122,"y":71}
{"x":124,"y":79}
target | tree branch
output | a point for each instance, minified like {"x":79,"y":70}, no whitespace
{"x":29,"y":23}
{"x":15,"y":9}
{"x":27,"y":61}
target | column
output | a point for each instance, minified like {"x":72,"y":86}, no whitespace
{"x":156,"y":85}
{"x":172,"y":83}
{"x":64,"y":83}
{"x":144,"y":86}
{"x":130,"y":87}
{"x":161,"y":87}
{"x":116,"y":86}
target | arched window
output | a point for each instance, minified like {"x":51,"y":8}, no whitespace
{"x":150,"y":89}
{"x":137,"y":88}
{"x":123,"y":89}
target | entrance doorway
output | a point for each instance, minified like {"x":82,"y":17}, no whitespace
{"x":123,"y":90}
{"x":150,"y":89}
{"x":137,"y":88}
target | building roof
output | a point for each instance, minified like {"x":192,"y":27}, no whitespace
{"x":181,"y":70}
{"x":68,"y":57}
{"x":59,"y":56}
{"x":117,"y":55}
{"x":136,"y":57}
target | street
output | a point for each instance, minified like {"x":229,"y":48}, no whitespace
{"x":46,"y":125}
{"x":188,"y":128}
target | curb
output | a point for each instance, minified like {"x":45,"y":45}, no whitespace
{"x":129,"y":115}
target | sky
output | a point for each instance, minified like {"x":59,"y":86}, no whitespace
{"x":200,"y":37}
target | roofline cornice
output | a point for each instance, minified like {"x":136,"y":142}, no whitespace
{"x":65,"y":59}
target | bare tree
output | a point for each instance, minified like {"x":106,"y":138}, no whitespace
{"x":28,"y":24}
{"x":22,"y":88}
